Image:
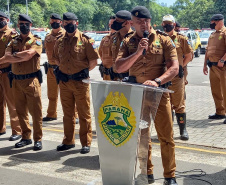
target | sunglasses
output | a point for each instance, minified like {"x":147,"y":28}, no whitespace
{"x":27,"y":24}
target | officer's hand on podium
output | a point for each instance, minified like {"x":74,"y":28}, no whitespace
{"x":143,"y":44}
{"x":151,"y":83}
{"x":205,"y":69}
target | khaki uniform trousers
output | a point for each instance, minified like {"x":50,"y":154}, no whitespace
{"x":27,"y":95}
{"x":52,"y":92}
{"x":76,"y":93}
{"x":164,"y":128}
{"x":218,"y":88}
{"x":177,"y":98}
{"x":106,"y":77}
{"x":6,"y":97}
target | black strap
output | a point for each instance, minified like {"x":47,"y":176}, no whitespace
{"x":5,"y":70}
{"x":53,"y":66}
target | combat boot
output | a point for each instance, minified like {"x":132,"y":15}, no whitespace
{"x":181,"y":120}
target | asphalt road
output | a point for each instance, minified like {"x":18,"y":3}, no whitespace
{"x":49,"y":167}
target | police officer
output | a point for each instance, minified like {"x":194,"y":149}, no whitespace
{"x":76,"y":57}
{"x":149,"y":68}
{"x":215,"y":58}
{"x":24,"y":53}
{"x":105,"y":52}
{"x":184,"y":53}
{"x":52,"y":86}
{"x":177,"y":27}
{"x":122,"y":25}
{"x":6,"y":94}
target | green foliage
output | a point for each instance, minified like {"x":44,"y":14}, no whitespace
{"x":94,"y":14}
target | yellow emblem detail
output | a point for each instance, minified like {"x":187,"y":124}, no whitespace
{"x":3,"y":39}
{"x":136,"y":14}
{"x":220,"y":37}
{"x":117,"y":119}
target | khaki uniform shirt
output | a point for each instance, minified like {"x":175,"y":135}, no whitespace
{"x":74,"y":53}
{"x":161,"y":50}
{"x":105,"y":51}
{"x":49,"y":43}
{"x":5,"y":38}
{"x":17,"y":45}
{"x":183,"y":46}
{"x":216,"y":47}
{"x":116,"y":43}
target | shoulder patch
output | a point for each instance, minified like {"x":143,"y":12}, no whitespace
{"x":129,"y":34}
{"x":161,"y":33}
{"x":36,"y":36}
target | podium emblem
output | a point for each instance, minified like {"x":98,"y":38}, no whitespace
{"x":117,"y":119}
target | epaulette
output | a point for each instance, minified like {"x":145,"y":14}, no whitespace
{"x":128,"y":34}
{"x":16,"y":37}
{"x":36,"y":36}
{"x":14,"y":32}
{"x":180,"y":34}
{"x":86,"y":36}
{"x":59,"y":36}
{"x":161,"y":33}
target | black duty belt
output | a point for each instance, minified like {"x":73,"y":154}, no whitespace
{"x":52,"y":66}
{"x":37,"y":74}
{"x":6,"y":70}
{"x":210,"y":64}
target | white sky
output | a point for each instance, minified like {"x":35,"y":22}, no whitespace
{"x":169,"y":2}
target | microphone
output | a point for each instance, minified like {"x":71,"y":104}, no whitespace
{"x":145,"y":35}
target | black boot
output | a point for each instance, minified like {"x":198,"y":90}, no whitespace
{"x":181,"y":120}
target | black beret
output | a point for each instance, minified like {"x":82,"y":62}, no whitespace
{"x":177,"y":24}
{"x":2,"y":14}
{"x":123,"y":14}
{"x":217,"y":17}
{"x":141,"y":12}
{"x":69,"y":16}
{"x":24,"y":17}
{"x":55,"y":16}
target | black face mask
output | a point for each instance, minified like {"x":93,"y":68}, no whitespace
{"x":117,"y":25}
{"x":168,"y":28}
{"x":3,"y":24}
{"x":70,"y":28}
{"x":24,"y":29}
{"x":55,"y":25}
{"x":213,"y":25}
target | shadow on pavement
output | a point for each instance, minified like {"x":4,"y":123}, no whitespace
{"x":87,"y":162}
{"x":218,"y":178}
{"x":4,"y":138}
{"x":207,"y":123}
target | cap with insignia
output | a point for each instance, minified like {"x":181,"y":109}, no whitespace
{"x":69,"y":16}
{"x":55,"y":16}
{"x":123,"y":14}
{"x":169,"y":18}
{"x":217,"y":17}
{"x":177,"y":24}
{"x":141,"y":12}
{"x":2,"y":14}
{"x":24,"y":17}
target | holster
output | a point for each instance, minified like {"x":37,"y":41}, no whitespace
{"x":101,"y":69}
{"x":209,"y":64}
{"x":10,"y":76}
{"x":56,"y":73}
{"x":114,"y":75}
{"x":39,"y":76}
{"x":181,"y":72}
{"x":46,"y":66}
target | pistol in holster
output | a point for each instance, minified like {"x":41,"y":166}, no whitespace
{"x":46,"y":66}
{"x":101,"y":69}
{"x":181,"y":72}
{"x":56,"y":73}
{"x":39,"y":76}
{"x":209,"y":64}
{"x":10,"y":76}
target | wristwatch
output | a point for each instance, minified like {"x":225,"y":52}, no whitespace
{"x":222,"y":61}
{"x":14,"y":54}
{"x":158,"y":81}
